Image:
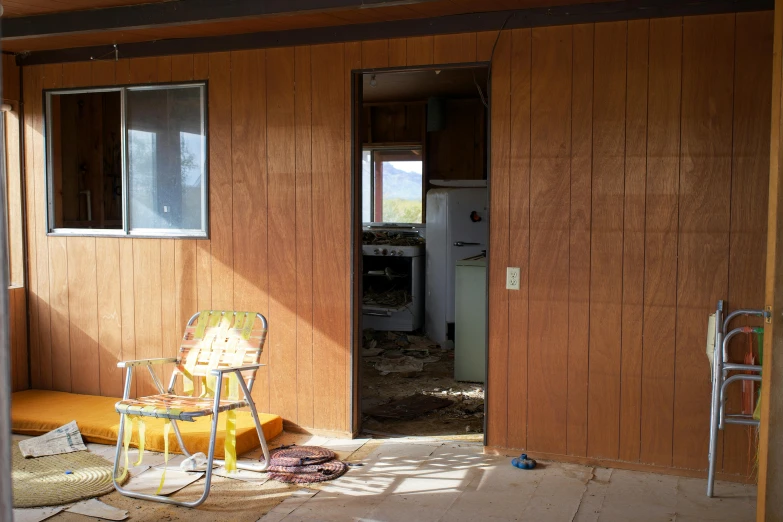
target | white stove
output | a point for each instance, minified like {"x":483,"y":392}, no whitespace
{"x":392,"y":251}
{"x":393,"y":286}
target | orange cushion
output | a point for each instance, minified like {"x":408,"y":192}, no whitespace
{"x":35,"y":412}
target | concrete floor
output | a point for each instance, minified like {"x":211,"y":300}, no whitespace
{"x":429,"y":480}
{"x":441,"y":481}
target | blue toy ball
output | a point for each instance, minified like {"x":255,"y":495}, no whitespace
{"x":523,"y":462}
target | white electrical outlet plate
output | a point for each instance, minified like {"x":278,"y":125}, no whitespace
{"x":512,"y":278}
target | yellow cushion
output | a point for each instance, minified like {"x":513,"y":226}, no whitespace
{"x":35,"y":412}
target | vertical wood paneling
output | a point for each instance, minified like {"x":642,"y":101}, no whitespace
{"x":58,"y":267}
{"x":420,"y":50}
{"x":171,"y":332}
{"x":705,"y":193}
{"x":497,"y":372}
{"x":147,"y":307}
{"x":107,"y":262}
{"x":50,"y":77}
{"x":606,"y":241}
{"x":633,"y":240}
{"x":579,"y":238}
{"x":221,"y":193}
{"x":485,"y":42}
{"x":353,"y":334}
{"x":14,"y":188}
{"x":249,"y":149}
{"x":182,"y":67}
{"x":660,"y":249}
{"x":127,"y":304}
{"x":329,"y":343}
{"x":518,"y":230}
{"x":398,"y":50}
{"x":454,"y":48}
{"x":281,"y":167}
{"x":304,"y":237}
{"x":83,"y":315}
{"x":547,"y":388}
{"x":38,"y":355}
{"x":375,"y":53}
{"x":17,"y":321}
{"x":749,"y":179}
{"x":58,"y":301}
{"x":143,"y":70}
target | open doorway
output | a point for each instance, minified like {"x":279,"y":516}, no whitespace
{"x":421,"y":200}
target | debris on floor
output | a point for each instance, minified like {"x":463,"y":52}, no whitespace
{"x":389,"y":298}
{"x":396,"y":366}
{"x":65,"y":439}
{"x":35,"y":514}
{"x":387,"y":237}
{"x":148,"y":482}
{"x":97,"y":509}
{"x":409,"y":407}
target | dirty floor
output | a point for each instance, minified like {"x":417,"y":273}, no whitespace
{"x":425,"y":479}
{"x":397,"y":366}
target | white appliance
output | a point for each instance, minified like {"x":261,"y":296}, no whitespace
{"x":392,"y":271}
{"x":456,"y":229}
{"x":470,"y":329}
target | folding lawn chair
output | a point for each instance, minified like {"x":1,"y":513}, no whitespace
{"x":217,"y":345}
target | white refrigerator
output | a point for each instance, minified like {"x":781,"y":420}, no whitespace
{"x":456,"y":228}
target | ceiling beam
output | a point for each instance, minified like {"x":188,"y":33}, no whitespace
{"x":525,"y":18}
{"x":178,"y":12}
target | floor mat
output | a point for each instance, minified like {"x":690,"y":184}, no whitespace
{"x":35,"y":412}
{"x":53,"y":480}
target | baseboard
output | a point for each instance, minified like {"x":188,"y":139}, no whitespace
{"x":619,"y":464}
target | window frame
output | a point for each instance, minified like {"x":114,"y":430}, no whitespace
{"x":126,"y":230}
{"x":391,"y":148}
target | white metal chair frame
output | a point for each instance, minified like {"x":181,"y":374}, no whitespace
{"x":720,"y":381}
{"x":219,"y":374}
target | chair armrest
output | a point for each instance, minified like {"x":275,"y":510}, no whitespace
{"x":220,"y":371}
{"x":146,"y":362}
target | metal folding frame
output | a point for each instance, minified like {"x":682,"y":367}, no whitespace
{"x":219,"y":374}
{"x":721,"y":380}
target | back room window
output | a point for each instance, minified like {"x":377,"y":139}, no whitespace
{"x":392,"y":186}
{"x":128,"y":161}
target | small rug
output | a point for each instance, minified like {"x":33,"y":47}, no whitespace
{"x":44,"y":481}
{"x":308,"y":474}
{"x":300,"y":456}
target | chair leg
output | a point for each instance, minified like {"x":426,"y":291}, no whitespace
{"x":259,"y":430}
{"x":208,"y":477}
{"x":118,"y":451}
{"x":179,"y":439}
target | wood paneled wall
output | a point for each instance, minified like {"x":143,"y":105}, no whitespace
{"x":628,"y":182}
{"x":17,"y":298}
{"x":17,"y":319}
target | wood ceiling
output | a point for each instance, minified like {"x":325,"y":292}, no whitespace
{"x":315,"y":17}
{"x":12,"y":8}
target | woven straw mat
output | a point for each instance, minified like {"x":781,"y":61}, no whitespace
{"x":43,"y":481}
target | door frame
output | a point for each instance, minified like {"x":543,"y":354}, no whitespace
{"x":356,"y":226}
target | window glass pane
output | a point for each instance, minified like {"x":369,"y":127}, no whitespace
{"x":402,"y":188}
{"x":166,"y":156}
{"x":85,"y":159}
{"x":366,"y":186}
